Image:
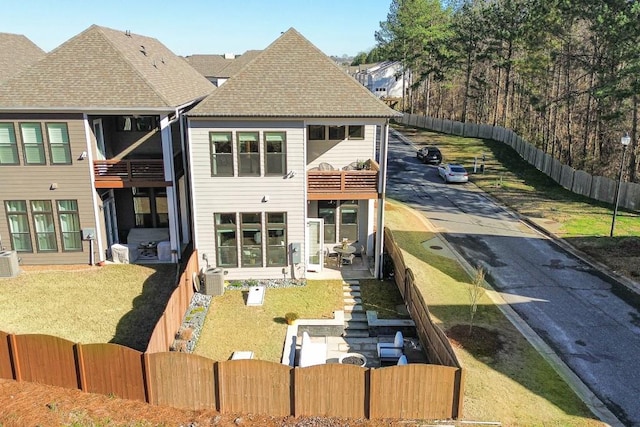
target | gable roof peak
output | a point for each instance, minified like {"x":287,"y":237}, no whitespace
{"x":292,"y":78}
{"x":106,"y":68}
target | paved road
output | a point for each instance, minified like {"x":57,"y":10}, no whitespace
{"x":573,"y":308}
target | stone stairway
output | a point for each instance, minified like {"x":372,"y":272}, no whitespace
{"x":356,"y":327}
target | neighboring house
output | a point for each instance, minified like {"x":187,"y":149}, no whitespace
{"x":261,"y":148}
{"x":219,"y":68}
{"x":92,"y":146}
{"x":384,"y":79}
{"x":17,"y":53}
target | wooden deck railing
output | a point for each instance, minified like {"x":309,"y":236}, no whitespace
{"x":128,"y":173}
{"x":357,"y":184}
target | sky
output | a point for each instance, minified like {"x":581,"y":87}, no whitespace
{"x":336,"y":27}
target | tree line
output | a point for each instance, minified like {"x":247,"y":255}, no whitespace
{"x":563,"y":74}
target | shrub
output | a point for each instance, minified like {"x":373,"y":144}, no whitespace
{"x":291,"y":318}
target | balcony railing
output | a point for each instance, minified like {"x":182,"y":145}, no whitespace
{"x":129,"y":173}
{"x":341,"y":184}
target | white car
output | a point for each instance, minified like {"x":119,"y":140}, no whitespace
{"x":453,"y":173}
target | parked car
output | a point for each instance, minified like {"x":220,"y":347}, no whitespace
{"x":430,"y":154}
{"x":453,"y":173}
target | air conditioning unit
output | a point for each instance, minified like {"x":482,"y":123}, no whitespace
{"x":9,"y":264}
{"x":213,"y":282}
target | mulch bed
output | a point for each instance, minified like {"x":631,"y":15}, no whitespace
{"x":479,"y":341}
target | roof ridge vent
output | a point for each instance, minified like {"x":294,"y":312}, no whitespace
{"x":229,"y":56}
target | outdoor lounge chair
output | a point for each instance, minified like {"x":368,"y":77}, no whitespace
{"x":391,"y":352}
{"x":312,"y":353}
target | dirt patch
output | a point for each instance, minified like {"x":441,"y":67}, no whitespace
{"x":481,"y":342}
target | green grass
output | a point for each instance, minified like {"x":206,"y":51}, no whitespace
{"x":116,"y":303}
{"x":516,"y":386}
{"x":382,"y":297}
{"x":231,"y":325}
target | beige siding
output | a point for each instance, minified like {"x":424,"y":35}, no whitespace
{"x":341,"y":153}
{"x":245,"y":194}
{"x":34,"y":183}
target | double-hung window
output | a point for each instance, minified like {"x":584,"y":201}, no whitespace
{"x":70,"y":233}
{"x":59,"y":149}
{"x":277,"y":239}
{"x":44,"y":225}
{"x":248,"y":154}
{"x":226,"y":239}
{"x":251,"y":232}
{"x":275,"y":153}
{"x":221,"y":149}
{"x":32,"y":143}
{"x":18,"y":225}
{"x":8,"y":145}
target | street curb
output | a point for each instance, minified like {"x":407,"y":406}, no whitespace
{"x":595,"y":405}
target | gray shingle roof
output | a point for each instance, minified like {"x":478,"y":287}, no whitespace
{"x":218,"y":65}
{"x":17,"y":53}
{"x":102,"y":68}
{"x":292,"y":78}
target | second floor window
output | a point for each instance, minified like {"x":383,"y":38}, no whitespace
{"x":59,"y":143}
{"x":32,"y":143}
{"x":248,"y":154}
{"x":275,"y":155}
{"x":221,"y":150}
{"x":8,"y":146}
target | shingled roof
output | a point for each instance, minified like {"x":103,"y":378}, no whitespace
{"x":219,"y":65}
{"x":292,"y":78}
{"x":17,"y":53}
{"x":102,"y":68}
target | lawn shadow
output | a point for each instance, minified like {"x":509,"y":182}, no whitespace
{"x":135,"y":328}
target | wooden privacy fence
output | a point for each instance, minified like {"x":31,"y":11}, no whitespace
{"x":188,"y":381}
{"x":580,"y":182}
{"x":165,"y":330}
{"x":433,"y":339}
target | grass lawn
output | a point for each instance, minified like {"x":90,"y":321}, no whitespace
{"x":513,"y":385}
{"x":580,"y":221}
{"x":117,"y":303}
{"x":231,"y":325}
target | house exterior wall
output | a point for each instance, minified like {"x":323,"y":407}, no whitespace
{"x":341,"y":153}
{"x":34,"y":182}
{"x":246,"y":194}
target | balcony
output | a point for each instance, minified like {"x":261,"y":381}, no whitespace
{"x":129,"y":173}
{"x":343,"y":184}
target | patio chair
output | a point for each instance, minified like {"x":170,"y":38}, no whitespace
{"x":330,"y":259}
{"x":391,"y":352}
{"x":347,"y":259}
{"x":403,"y":360}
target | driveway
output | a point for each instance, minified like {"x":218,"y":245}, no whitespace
{"x":565,"y":301}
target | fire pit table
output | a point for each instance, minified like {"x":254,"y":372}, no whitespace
{"x":356,"y":359}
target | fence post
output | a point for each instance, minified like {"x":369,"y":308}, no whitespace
{"x":13,"y":350}
{"x":146,"y":373}
{"x":82,"y":374}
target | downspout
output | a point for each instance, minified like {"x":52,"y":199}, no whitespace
{"x":382,"y":185}
{"x":94,"y":195}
